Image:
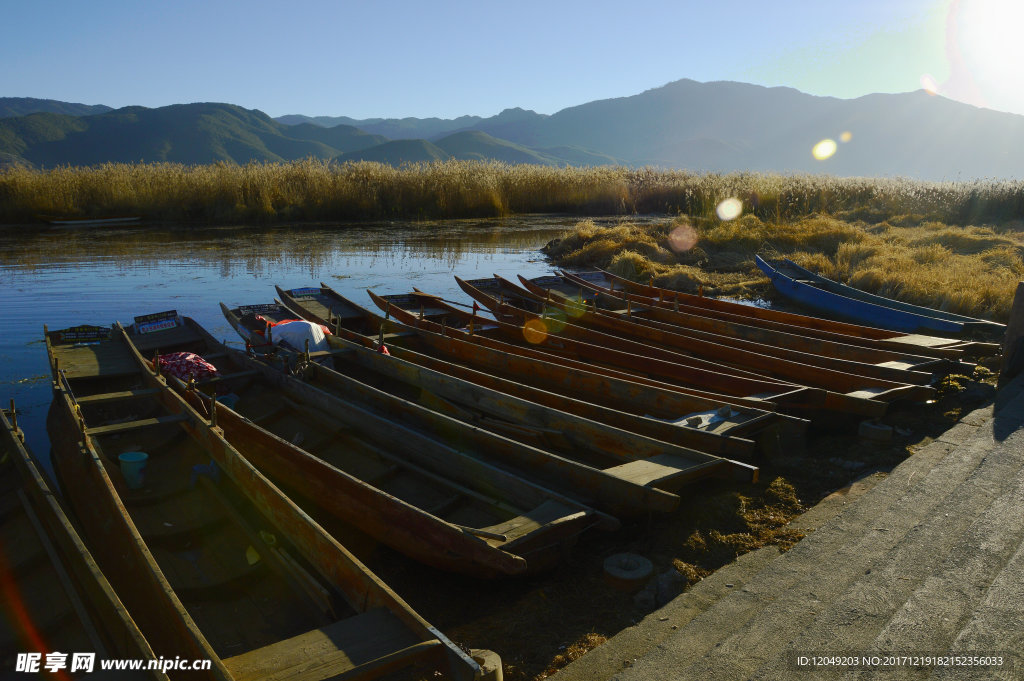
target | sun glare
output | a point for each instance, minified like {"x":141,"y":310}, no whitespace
{"x":988,"y":37}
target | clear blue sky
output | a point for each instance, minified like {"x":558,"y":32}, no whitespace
{"x":393,"y":59}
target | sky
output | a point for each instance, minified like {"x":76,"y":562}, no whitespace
{"x":393,"y":58}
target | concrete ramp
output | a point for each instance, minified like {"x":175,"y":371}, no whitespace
{"x":929,"y":563}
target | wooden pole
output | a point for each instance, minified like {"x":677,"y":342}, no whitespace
{"x":1013,"y":342}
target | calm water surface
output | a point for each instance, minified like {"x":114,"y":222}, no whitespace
{"x":69,"y":276}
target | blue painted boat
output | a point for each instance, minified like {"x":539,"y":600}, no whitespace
{"x":814,"y":290}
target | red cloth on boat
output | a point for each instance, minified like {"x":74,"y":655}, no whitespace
{"x":185,"y":365}
{"x":384,"y":350}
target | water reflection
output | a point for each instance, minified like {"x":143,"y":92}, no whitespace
{"x":67,"y":276}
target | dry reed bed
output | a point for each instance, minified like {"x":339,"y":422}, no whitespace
{"x":970,"y":270}
{"x":323,"y":190}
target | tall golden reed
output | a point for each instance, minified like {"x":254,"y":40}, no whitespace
{"x":326,"y":191}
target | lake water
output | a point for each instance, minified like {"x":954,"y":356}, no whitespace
{"x":68,"y":276}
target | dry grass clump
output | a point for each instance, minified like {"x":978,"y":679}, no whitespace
{"x":968,"y":270}
{"x":735,"y":524}
{"x":572,"y":652}
{"x":320,"y":190}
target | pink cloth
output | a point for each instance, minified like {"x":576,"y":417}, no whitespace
{"x":185,"y":365}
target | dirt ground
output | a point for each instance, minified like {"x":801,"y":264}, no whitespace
{"x":540,"y":624}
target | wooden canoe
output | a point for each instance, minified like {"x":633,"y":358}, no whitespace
{"x":716,"y":425}
{"x":835,"y":299}
{"x":693,"y":319}
{"x":428,"y":406}
{"x":55,"y":598}
{"x":212,"y":560}
{"x":474,"y":397}
{"x":918,"y":344}
{"x":846,"y":392}
{"x":633,"y":357}
{"x":395,"y":478}
{"x":772,"y":360}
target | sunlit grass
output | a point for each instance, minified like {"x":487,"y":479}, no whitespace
{"x":970,"y":270}
{"x":324,"y":191}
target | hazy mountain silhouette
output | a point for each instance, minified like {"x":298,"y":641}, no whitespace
{"x":720,"y":126}
{"x":473,"y":145}
{"x":392,"y":128}
{"x":728,"y":126}
{"x":184,"y":133}
{"x":23,"y":106}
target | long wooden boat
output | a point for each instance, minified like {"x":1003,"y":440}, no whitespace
{"x":833,"y":298}
{"x":425,"y":403}
{"x":635,"y":358}
{"x":55,"y":598}
{"x":388,"y":476}
{"x":90,"y":222}
{"x":471,"y":397}
{"x":693,"y":319}
{"x":624,"y":335}
{"x":213,"y":561}
{"x":772,"y":360}
{"x":846,"y":332}
{"x":714,"y":424}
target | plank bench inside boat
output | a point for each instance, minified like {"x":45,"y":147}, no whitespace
{"x":100,"y":398}
{"x":96,"y":359}
{"x":670,"y":472}
{"x":330,"y":651}
{"x":111,"y":428}
{"x":549,"y":512}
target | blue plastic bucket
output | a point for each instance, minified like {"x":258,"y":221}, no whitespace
{"x":133,"y":465}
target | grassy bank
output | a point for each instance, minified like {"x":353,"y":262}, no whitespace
{"x":970,"y":270}
{"x":322,"y":191}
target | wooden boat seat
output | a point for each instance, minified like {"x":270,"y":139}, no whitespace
{"x":400,"y":334}
{"x":164,"y":341}
{"x":898,"y":365}
{"x":228,"y":377}
{"x":101,"y":398}
{"x":113,"y":428}
{"x":868,"y":393}
{"x":545,"y":514}
{"x":105,"y":359}
{"x":351,"y":647}
{"x":663,"y":471}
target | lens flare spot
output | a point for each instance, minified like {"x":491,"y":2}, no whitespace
{"x":684,"y":237}
{"x":575,"y":309}
{"x":535,"y":331}
{"x":555,"y":319}
{"x":824,"y":149}
{"x":929,"y":85}
{"x":729,"y":209}
{"x":846,"y":136}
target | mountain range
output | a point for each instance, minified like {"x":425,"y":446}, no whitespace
{"x":718,"y":126}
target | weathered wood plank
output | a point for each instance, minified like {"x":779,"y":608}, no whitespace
{"x":329,"y":651}
{"x":112,"y":428}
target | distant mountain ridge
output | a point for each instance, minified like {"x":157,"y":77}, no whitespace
{"x":717,"y":126}
{"x":392,"y":128}
{"x":11,"y":107}
{"x":727,"y":126}
{"x":183,"y":133}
